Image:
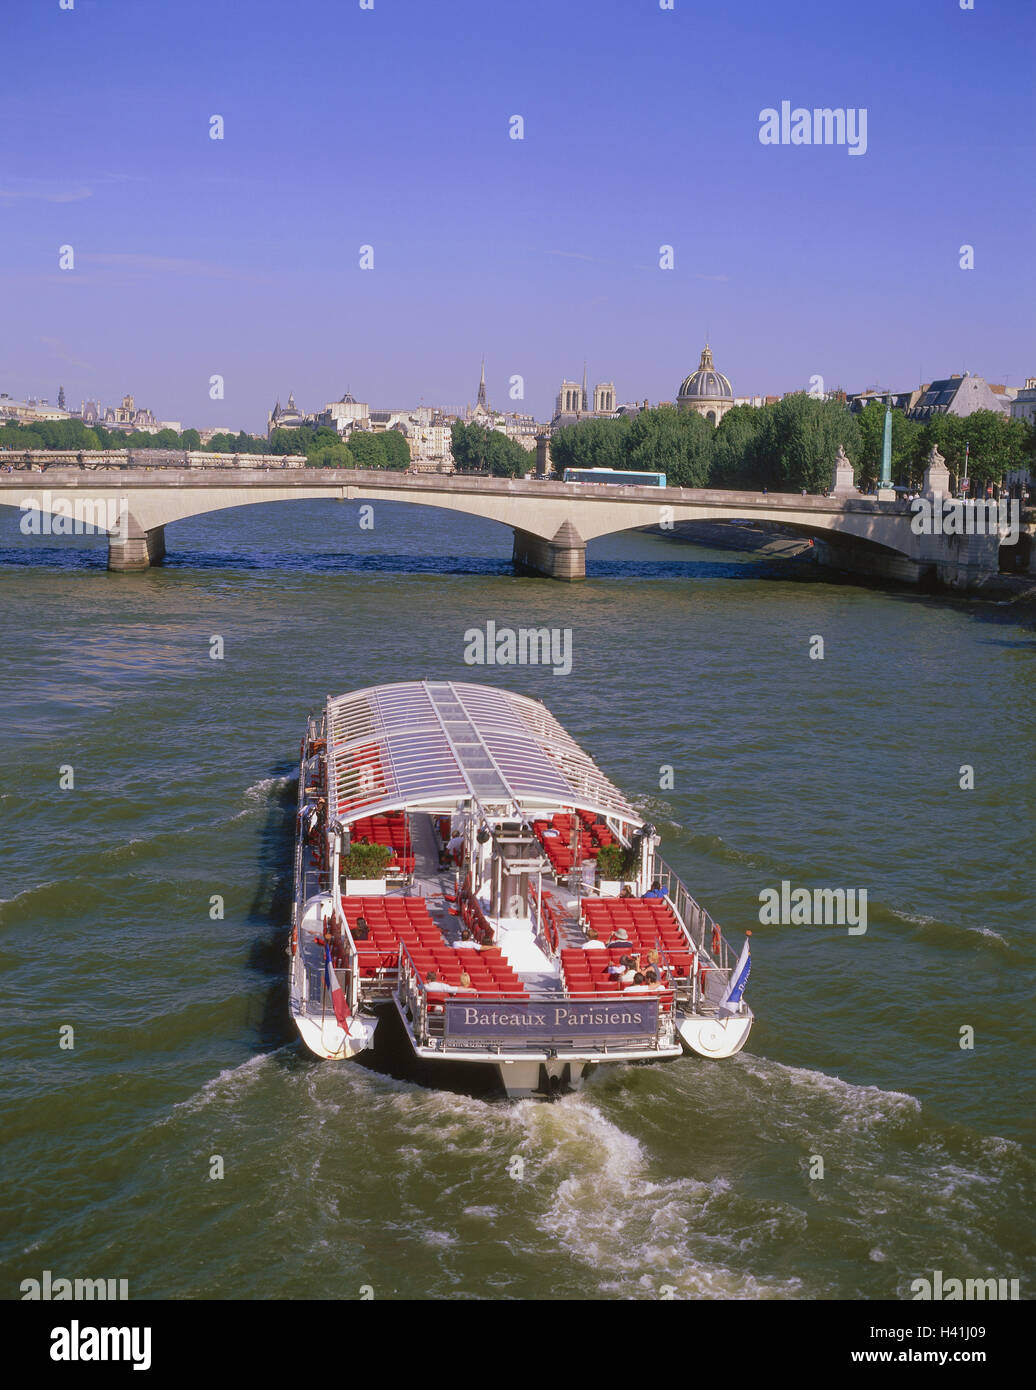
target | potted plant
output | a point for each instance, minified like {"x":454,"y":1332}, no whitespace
{"x":616,"y":866}
{"x":363,"y":870}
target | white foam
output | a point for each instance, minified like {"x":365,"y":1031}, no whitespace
{"x":24,"y":892}
{"x":858,"y":1107}
{"x":225,"y":1083}
{"x":438,"y":1238}
{"x":263,"y":789}
{"x":988,"y":931}
{"x":638,"y":1235}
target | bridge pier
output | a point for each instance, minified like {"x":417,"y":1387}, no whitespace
{"x":138,"y":550}
{"x":562,"y":557}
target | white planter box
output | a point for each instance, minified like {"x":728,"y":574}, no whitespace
{"x":364,"y":888}
{"x":612,"y":887}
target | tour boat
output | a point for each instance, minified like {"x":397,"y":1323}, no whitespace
{"x":445,"y":870}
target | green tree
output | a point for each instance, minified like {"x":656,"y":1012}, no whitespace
{"x":396,"y":450}
{"x":507,"y":458}
{"x":590,"y":444}
{"x":367,"y":449}
{"x":190,"y":439}
{"x":167,"y":439}
{"x":470,"y":448}
{"x":334,"y":456}
{"x":674,"y":442}
{"x":732,"y":445}
{"x":290,"y":441}
{"x":996,"y":444}
{"x":797,"y":443}
{"x":946,"y":433}
{"x":480,"y":450}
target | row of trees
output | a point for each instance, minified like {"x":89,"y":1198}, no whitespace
{"x":479,"y":450}
{"x":791,"y":444}
{"x":73,"y":434}
{"x":323,"y":447}
{"x":786,"y":446}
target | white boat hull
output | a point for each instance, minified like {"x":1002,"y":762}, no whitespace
{"x":715,"y":1037}
{"x":327,"y":1040}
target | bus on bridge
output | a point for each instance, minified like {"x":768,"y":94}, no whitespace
{"x":613,"y":475}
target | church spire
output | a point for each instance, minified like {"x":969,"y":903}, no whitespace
{"x":482,"y":388}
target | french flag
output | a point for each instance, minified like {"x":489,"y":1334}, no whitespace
{"x":337,"y":997}
{"x":739,"y":978}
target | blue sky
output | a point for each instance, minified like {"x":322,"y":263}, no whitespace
{"x":389,"y":127}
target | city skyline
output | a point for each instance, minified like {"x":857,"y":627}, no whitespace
{"x":239,"y":257}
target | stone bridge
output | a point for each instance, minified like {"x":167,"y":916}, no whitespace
{"x":551,"y":521}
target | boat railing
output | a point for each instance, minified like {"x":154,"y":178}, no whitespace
{"x":705,"y":933}
{"x":318,"y":996}
{"x":548,"y":936}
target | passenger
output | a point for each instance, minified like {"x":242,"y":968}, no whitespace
{"x":467,"y":942}
{"x":653,"y":982}
{"x":627,"y":891}
{"x":639,"y":985}
{"x":632,"y":970}
{"x":361,"y":931}
{"x":616,"y":968}
{"x":465,"y":979}
{"x":593,"y":941}
{"x":455,"y":847}
{"x":433,"y":983}
{"x":655,"y":891}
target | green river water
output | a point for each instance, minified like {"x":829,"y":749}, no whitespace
{"x":697,"y":1176}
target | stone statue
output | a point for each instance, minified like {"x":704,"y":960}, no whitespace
{"x":842,"y":480}
{"x":936,"y":475}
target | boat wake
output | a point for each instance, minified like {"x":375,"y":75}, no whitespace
{"x":226,"y":1088}
{"x":644,"y":1238}
{"x":956,"y":933}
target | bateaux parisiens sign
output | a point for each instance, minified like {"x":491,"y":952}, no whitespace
{"x":528,"y":1020}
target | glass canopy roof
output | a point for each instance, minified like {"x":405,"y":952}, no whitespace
{"x":438,"y":742}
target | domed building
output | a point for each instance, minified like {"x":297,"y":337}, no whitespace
{"x":706,"y":390}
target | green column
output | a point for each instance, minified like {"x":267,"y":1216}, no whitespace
{"x":886,"y":450}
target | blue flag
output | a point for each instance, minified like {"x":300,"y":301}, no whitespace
{"x":739,"y":978}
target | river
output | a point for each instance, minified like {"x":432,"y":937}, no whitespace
{"x":693,"y":1179}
